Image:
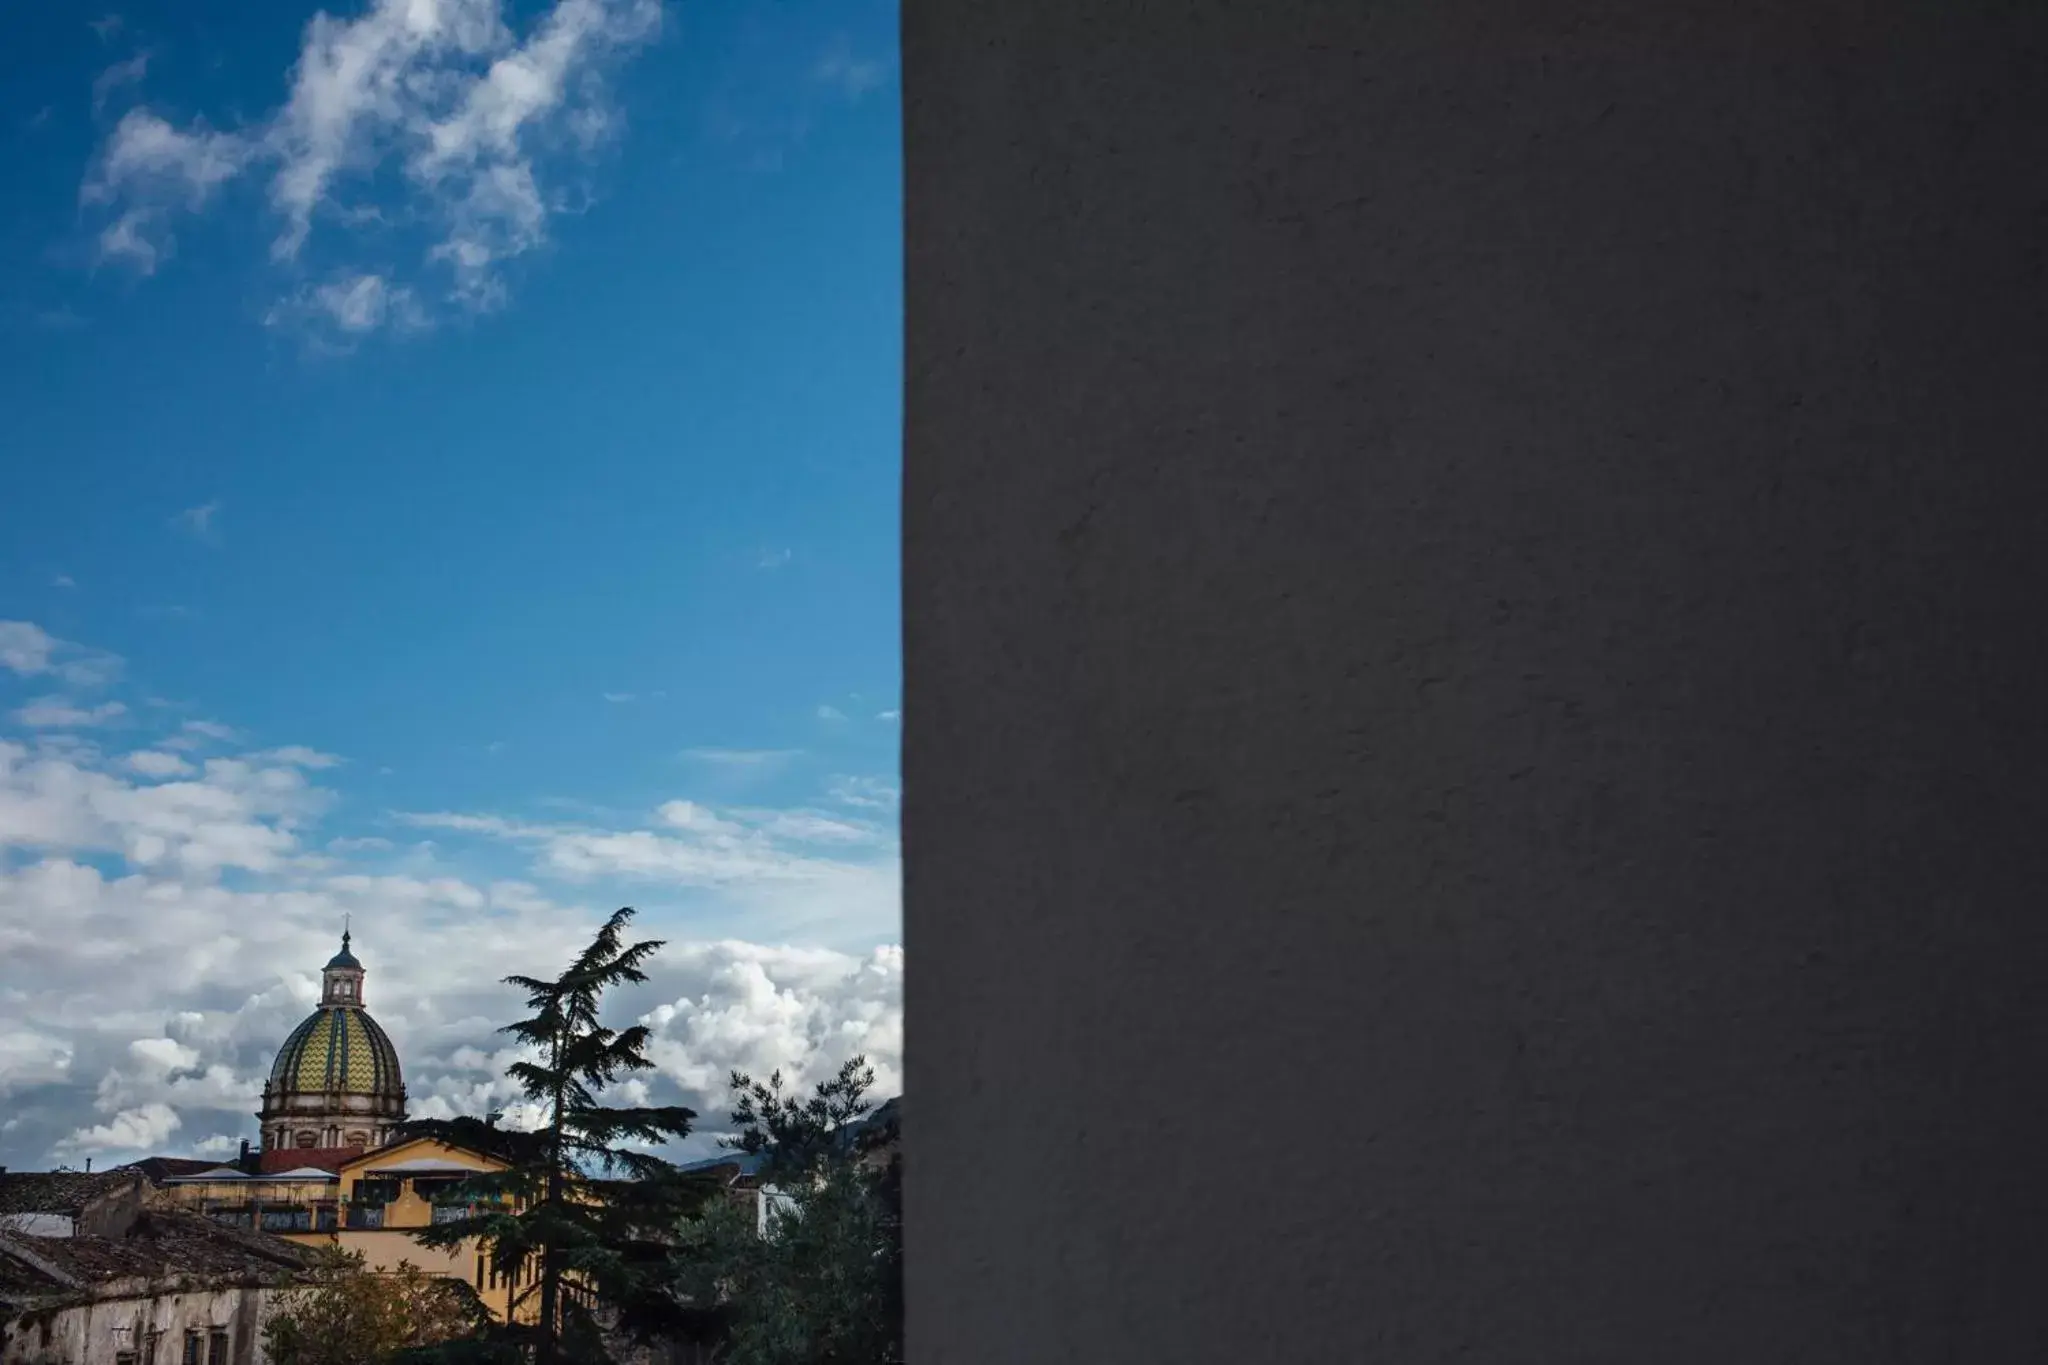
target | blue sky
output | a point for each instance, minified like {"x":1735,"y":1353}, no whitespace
{"x":461,"y":443}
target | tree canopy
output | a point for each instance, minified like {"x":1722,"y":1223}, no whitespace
{"x":583,"y":1205}
{"x":822,"y":1282}
{"x":350,"y":1315}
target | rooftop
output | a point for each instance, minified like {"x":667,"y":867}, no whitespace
{"x":305,"y":1158}
{"x":65,"y":1192}
{"x":163,"y":1244}
{"x":158,"y":1169}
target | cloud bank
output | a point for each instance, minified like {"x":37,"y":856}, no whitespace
{"x":168,"y":892}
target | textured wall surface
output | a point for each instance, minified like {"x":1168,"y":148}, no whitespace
{"x":98,"y":1332}
{"x":1474,"y":620}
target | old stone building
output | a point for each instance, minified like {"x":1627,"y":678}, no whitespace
{"x":92,"y":1274}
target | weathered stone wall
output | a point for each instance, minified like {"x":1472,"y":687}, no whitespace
{"x":97,"y":1332}
{"x":113,"y":1213}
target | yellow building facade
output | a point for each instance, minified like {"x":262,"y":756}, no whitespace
{"x":385,"y":1195}
{"x":371,"y":1206}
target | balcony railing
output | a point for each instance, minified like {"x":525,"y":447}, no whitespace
{"x":363,"y":1218}
{"x":455,"y":1213}
{"x":269,"y":1217}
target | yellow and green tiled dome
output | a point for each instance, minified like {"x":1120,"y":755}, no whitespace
{"x":339,"y":1048}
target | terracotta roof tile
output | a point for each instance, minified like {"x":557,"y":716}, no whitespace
{"x":293,"y":1158}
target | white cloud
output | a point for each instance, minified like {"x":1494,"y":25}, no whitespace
{"x":125,"y":240}
{"x":696,"y":819}
{"x":29,"y":1057}
{"x":131,"y":1130}
{"x":618,"y":697}
{"x":890,"y":717}
{"x":770,"y":868}
{"x":758,"y":1009}
{"x":63,"y":580}
{"x":147,"y":160}
{"x":234,"y":814}
{"x":25,"y":647}
{"x":30,"y":651}
{"x":741,"y":758}
{"x":443,"y":97}
{"x":163,"y":1054}
{"x":199,"y":521}
{"x":814,"y":827}
{"x":831,"y":713}
{"x":297,"y":756}
{"x":161,"y":1000}
{"x":195,"y":733}
{"x":114,"y":77}
{"x":773,"y":559}
{"x":58,"y":713}
{"x":163,"y":923}
{"x":157,"y":763}
{"x":352,"y":306}
{"x":851,"y":76}
{"x":865,"y":793}
{"x":410,"y":891}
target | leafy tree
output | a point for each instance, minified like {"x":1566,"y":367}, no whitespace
{"x":589,"y":1214}
{"x":823,"y":1282}
{"x":350,"y":1315}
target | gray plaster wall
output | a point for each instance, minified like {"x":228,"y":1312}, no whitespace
{"x":1474,"y":696}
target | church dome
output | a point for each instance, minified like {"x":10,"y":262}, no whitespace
{"x":339,"y":1049}
{"x":335,"y":1086}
